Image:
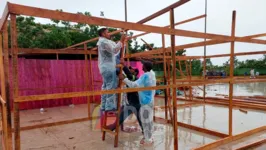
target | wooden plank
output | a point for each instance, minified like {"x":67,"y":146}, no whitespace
{"x":17,"y":126}
{"x":51,"y":14}
{"x":163,"y":11}
{"x":87,"y":79}
{"x":203,"y":130}
{"x":88,"y":93}
{"x":255,"y":36}
{"x":2,"y":75}
{"x":230,"y":123}
{"x":45,"y":125}
{"x":53,"y":51}
{"x":165,"y":80}
{"x":196,"y":128}
{"x":147,"y":44}
{"x":178,"y":23}
{"x":180,"y":47}
{"x":91,"y":40}
{"x":4,"y":18}
{"x":14,"y":49}
{"x":79,"y":18}
{"x":172,"y":21}
{"x":231,"y":138}
{"x":252,"y":145}
{"x":7,"y":84}
{"x":5,"y":129}
{"x":179,"y":3}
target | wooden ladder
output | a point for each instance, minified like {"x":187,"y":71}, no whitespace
{"x":118,"y":111}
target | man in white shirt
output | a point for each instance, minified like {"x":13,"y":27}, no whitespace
{"x":107,"y":51}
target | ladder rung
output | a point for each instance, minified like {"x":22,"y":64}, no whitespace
{"x":109,"y":131}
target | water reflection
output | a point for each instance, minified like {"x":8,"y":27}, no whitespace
{"x":240,"y":89}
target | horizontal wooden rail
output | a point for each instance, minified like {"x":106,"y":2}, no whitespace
{"x":230,"y":139}
{"x":45,"y":125}
{"x":178,"y":23}
{"x":251,"y":145}
{"x":79,"y":18}
{"x":196,"y":128}
{"x":54,"y":51}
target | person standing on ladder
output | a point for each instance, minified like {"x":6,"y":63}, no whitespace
{"x":107,"y":51}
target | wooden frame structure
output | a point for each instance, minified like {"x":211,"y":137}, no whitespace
{"x":163,"y":53}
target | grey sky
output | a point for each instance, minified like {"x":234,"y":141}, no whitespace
{"x":251,"y":19}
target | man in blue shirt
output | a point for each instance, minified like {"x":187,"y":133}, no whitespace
{"x":146,"y":99}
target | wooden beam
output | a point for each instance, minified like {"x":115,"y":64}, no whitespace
{"x":14,"y":48}
{"x":179,"y":3}
{"x":230,"y":123}
{"x":172,"y":21}
{"x":178,"y":23}
{"x":79,"y":18}
{"x":185,"y":46}
{"x":7,"y":84}
{"x":88,"y":93}
{"x":199,"y":129}
{"x":165,"y":79}
{"x":147,"y":44}
{"x":91,"y":40}
{"x":163,"y":11}
{"x":2,"y":75}
{"x":178,"y":48}
{"x":53,"y":51}
{"x":45,"y":125}
{"x":252,"y":145}
{"x":231,"y":138}
{"x":87,"y":79}
{"x":3,"y":108}
{"x":4,"y":17}
{"x":255,"y":36}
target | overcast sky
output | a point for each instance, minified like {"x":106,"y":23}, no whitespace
{"x":250,"y":19}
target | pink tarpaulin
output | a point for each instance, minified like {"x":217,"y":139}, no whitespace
{"x":38,"y":76}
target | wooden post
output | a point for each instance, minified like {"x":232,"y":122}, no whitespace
{"x":231,"y":75}
{"x":87,"y":80}
{"x":3,"y":94}
{"x":119,"y":99}
{"x":165,"y":80}
{"x":172,"y":21}
{"x":92,"y":77}
{"x":14,"y":49}
{"x":7,"y":85}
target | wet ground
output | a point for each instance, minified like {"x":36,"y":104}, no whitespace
{"x":240,"y":89}
{"x":86,"y":135}
{"x":215,"y":117}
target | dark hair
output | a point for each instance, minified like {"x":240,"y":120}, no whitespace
{"x":100,"y":31}
{"x":137,"y":71}
{"x":148,"y":65}
{"x":130,"y":67}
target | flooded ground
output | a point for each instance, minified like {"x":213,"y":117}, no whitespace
{"x":87,"y":135}
{"x":215,"y":117}
{"x":240,"y":89}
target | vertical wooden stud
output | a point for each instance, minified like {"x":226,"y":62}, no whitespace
{"x":232,"y":75}
{"x":172,"y":22}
